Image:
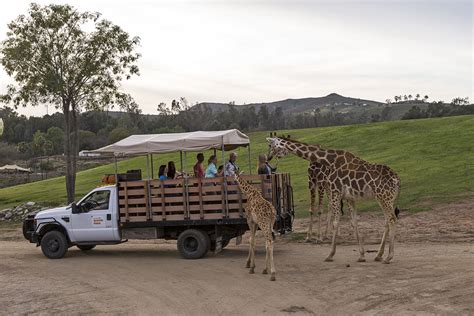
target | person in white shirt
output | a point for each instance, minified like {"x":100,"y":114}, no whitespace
{"x":231,"y":166}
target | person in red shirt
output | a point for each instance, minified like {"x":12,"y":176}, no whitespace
{"x":198,"y":168}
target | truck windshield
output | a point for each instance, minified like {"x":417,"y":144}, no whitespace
{"x":98,"y":200}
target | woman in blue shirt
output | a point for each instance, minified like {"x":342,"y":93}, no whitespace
{"x":162,"y":172}
{"x":211,"y":170}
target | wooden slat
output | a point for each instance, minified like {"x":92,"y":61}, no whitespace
{"x":163,"y":201}
{"x":201,"y":208}
{"x":133,"y":192}
{"x":127,"y":218}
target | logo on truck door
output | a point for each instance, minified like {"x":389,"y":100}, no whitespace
{"x":98,"y":221}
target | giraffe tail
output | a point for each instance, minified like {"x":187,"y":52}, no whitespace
{"x":397,"y":212}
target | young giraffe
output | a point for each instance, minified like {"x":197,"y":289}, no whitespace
{"x":259,"y":213}
{"x":351,"y":178}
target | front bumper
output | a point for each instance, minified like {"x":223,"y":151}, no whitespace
{"x":29,"y":229}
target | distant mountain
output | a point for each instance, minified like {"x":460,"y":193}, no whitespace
{"x":294,"y":106}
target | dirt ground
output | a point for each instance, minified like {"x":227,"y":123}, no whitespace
{"x":432,"y":273}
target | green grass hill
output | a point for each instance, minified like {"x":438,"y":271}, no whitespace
{"x":433,"y":157}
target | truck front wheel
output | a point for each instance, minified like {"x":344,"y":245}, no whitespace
{"x":54,"y":244}
{"x":193,"y":243}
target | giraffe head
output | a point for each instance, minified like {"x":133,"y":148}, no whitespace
{"x":276,"y":148}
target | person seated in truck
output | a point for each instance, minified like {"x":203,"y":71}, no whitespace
{"x":211,"y":170}
{"x":220,"y":171}
{"x":198,"y":167}
{"x":231,"y":166}
{"x":162,"y":172}
{"x":171,"y":173}
{"x":263,"y":165}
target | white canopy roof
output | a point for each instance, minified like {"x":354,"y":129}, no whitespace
{"x":14,"y":168}
{"x":165,"y":143}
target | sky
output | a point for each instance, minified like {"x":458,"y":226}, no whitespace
{"x":263,"y":51}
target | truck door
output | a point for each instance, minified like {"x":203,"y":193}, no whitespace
{"x":94,"y":221}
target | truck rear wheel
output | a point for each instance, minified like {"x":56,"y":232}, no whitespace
{"x":54,"y":244}
{"x":193,"y":243}
{"x":86,"y":247}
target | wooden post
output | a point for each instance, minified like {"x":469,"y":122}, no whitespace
{"x":201,"y":207}
{"x":163,"y":204}
{"x":148,"y":200}
{"x":127,"y":218}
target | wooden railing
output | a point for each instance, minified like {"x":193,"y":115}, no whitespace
{"x":194,"y":198}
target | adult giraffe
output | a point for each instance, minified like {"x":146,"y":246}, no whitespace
{"x":351,"y":178}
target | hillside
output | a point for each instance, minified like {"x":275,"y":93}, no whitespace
{"x":295,"y":106}
{"x":432,"y":156}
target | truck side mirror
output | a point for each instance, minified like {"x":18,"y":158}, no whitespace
{"x":74,"y":208}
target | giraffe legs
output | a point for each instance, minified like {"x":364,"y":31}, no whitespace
{"x":312,"y":191}
{"x":328,"y":219}
{"x":379,"y":255}
{"x":335,"y":206}
{"x":390,"y":229}
{"x":269,"y":255}
{"x":251,"y":256}
{"x":320,"y":210}
{"x":392,"y":224}
{"x":353,"y":212}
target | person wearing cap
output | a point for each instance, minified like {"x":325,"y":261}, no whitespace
{"x":231,"y":166}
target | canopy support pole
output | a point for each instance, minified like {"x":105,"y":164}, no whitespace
{"x":181,"y":159}
{"x":250,"y":162}
{"x":147,"y":166}
{"x":116,"y":169}
{"x":152,"y":171}
{"x":226,"y":210}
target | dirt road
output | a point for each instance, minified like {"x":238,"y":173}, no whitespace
{"x":432,"y":273}
{"x":145,"y":278}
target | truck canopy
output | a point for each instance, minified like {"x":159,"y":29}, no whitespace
{"x":172,"y":142}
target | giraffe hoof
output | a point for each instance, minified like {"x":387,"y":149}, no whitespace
{"x":378,"y":259}
{"x":386,"y":261}
{"x":329,"y":259}
{"x":272,"y":278}
{"x":308,"y":240}
{"x":251,"y":271}
{"x":264,"y":271}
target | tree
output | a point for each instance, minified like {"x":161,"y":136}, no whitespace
{"x":425,"y":98}
{"x":388,"y":101}
{"x":410,"y":97}
{"x":87,"y":140}
{"x":117,"y":134}
{"x":417,"y":97}
{"x":414,"y":113}
{"x":70,"y":59}
{"x":56,"y":136}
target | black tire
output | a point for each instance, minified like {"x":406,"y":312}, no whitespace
{"x":54,"y":244}
{"x":193,"y":244}
{"x":86,"y":247}
{"x":225,"y":243}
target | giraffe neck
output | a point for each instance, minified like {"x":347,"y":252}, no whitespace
{"x":244,"y":185}
{"x":309,"y":152}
